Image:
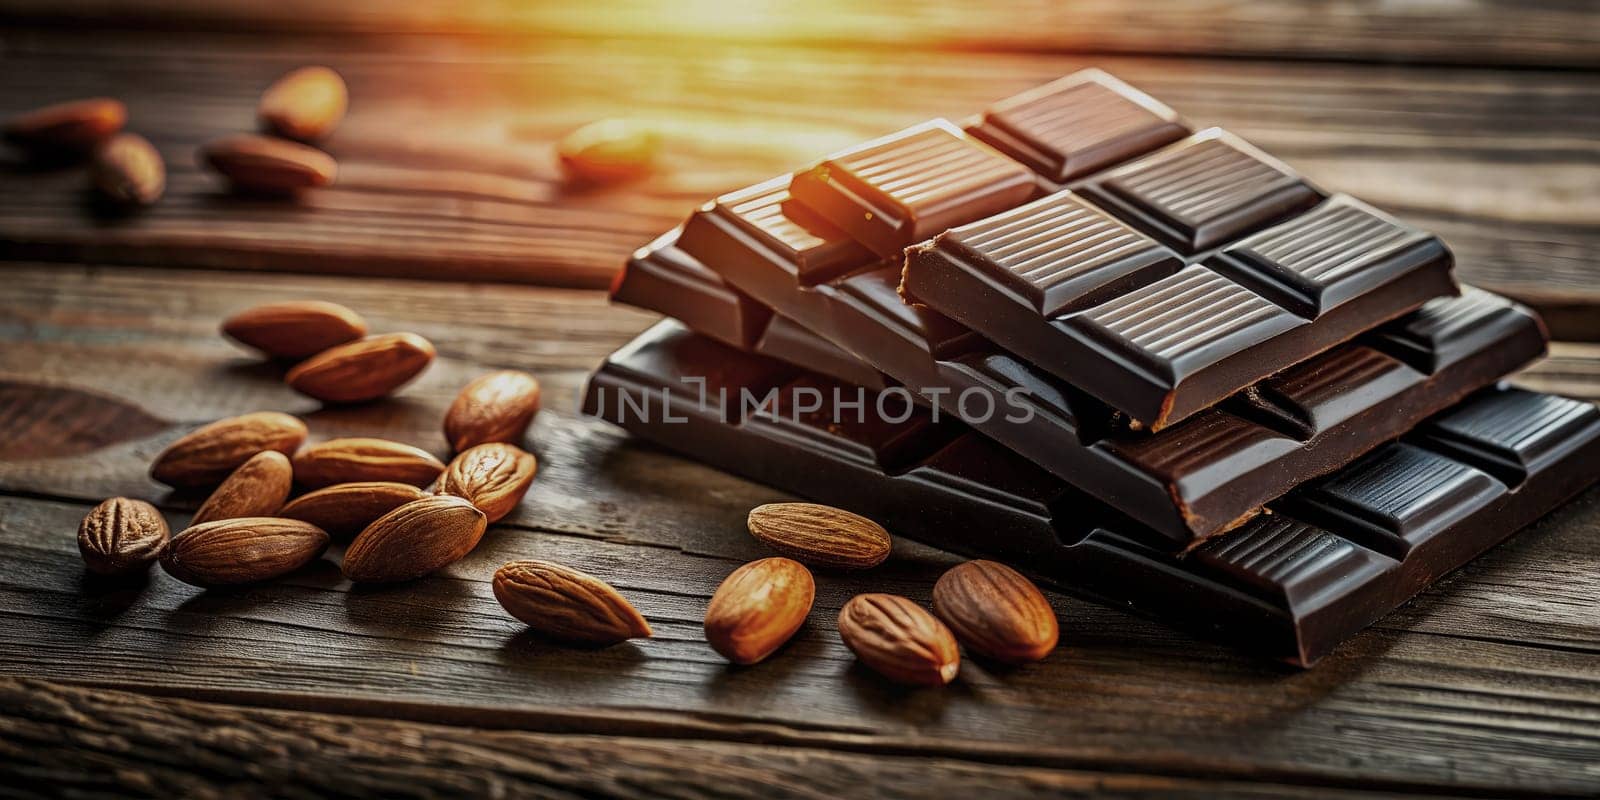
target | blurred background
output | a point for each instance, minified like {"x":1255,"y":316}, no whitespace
{"x":1479,"y":119}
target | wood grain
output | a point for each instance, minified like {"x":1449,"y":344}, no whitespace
{"x":1487,"y":684}
{"x":447,"y":168}
{"x":1474,"y":32}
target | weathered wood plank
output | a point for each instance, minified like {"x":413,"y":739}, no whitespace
{"x":1461,"y":691}
{"x":447,"y":169}
{"x":1474,"y":32}
{"x":63,"y":739}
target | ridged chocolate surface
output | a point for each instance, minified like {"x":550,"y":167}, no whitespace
{"x":1293,"y":584}
{"x":762,"y":207}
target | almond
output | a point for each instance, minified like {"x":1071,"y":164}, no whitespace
{"x":608,"y":150}
{"x":819,"y":535}
{"x":305,"y":104}
{"x":899,"y":639}
{"x":492,"y":476}
{"x":996,"y":612}
{"x":209,"y":454}
{"x":566,"y":604}
{"x":295,"y":329}
{"x":363,"y":370}
{"x":244,"y":550}
{"x":256,"y":489}
{"x":267,"y":165}
{"x":72,"y":127}
{"x":497,"y":407}
{"x":121,"y":536}
{"x":758,"y":608}
{"x":414,"y":540}
{"x":128,"y":171}
{"x":356,"y":459}
{"x":345,"y":508}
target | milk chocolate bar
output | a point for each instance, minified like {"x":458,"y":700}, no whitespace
{"x":1190,"y":480}
{"x":1333,"y":556}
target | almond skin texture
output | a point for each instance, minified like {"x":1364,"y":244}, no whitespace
{"x":128,"y":171}
{"x":268,"y":166}
{"x":363,"y":370}
{"x":493,"y":477}
{"x":344,"y":509}
{"x":305,"y":104}
{"x":72,"y":127}
{"x":822,"y":536}
{"x":209,"y":454}
{"x":608,"y":151}
{"x":244,"y":550}
{"x":414,"y":540}
{"x":294,"y":330}
{"x":357,"y":459}
{"x":121,"y":536}
{"x":563,"y":603}
{"x":899,"y":640}
{"x":996,"y":612}
{"x":497,"y":407}
{"x":758,"y":608}
{"x":256,"y":489}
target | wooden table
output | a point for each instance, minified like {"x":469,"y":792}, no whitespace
{"x":450,"y":220}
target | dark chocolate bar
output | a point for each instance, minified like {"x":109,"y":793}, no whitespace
{"x":1333,"y":557}
{"x":1193,"y":479}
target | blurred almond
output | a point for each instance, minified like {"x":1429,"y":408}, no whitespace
{"x":609,"y":150}
{"x":256,"y":489}
{"x":996,"y":612}
{"x":71,"y":127}
{"x":244,"y":550}
{"x":566,"y":604}
{"x":209,"y":454}
{"x":758,"y":608}
{"x":497,"y":407}
{"x":820,"y":535}
{"x":358,"y":459}
{"x":414,"y":540}
{"x":295,"y":329}
{"x":305,"y":104}
{"x":345,"y":508}
{"x":263,"y":164}
{"x":121,"y":536}
{"x":128,"y":171}
{"x":492,"y":476}
{"x":363,"y":370}
{"x":899,"y":640}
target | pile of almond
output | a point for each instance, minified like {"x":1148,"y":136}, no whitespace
{"x":406,"y":514}
{"x":300,"y":108}
{"x":124,"y":167}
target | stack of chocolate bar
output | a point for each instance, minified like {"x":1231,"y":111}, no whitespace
{"x":1150,"y":365}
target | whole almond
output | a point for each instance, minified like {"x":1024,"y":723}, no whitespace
{"x":414,"y":540}
{"x":305,"y":104}
{"x":492,"y":476}
{"x":356,"y":459}
{"x":497,"y":407}
{"x":996,"y":612}
{"x":609,"y":150}
{"x":128,"y":171}
{"x":758,"y":608}
{"x":899,"y":639}
{"x":820,"y":535}
{"x":209,"y":454}
{"x":345,"y":508}
{"x":267,"y":165}
{"x":295,"y":329}
{"x":363,"y":370}
{"x":71,"y":127}
{"x":256,"y":489}
{"x":121,"y":536}
{"x":244,"y":550}
{"x":566,"y":604}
